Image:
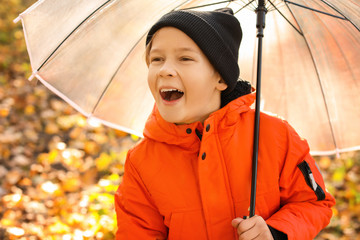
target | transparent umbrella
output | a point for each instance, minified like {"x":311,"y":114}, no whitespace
{"x":91,"y":54}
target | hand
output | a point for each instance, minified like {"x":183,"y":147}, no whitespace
{"x":252,"y":228}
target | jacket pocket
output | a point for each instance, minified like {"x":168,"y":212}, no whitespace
{"x":310,"y":180}
{"x":176,"y":224}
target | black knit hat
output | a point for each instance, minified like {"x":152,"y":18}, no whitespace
{"x":217,"y":33}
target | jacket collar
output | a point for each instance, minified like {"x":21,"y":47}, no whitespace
{"x":156,"y":128}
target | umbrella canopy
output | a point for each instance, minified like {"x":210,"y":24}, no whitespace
{"x":91,"y":53}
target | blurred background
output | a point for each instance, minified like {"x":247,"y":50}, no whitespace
{"x":59,"y":172}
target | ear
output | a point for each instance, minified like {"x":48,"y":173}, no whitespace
{"x":221,"y":85}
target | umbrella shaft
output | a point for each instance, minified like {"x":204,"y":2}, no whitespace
{"x":260,"y":18}
{"x":260,"y":25}
{"x":256,"y":131}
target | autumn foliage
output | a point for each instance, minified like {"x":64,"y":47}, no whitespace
{"x":59,"y":171}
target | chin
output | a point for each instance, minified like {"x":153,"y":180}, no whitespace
{"x":172,"y":120}
{"x":169,"y":117}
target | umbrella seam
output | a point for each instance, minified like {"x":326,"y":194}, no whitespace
{"x":345,"y":59}
{"x":63,"y":96}
{"x":53,"y":52}
{"x":118,"y":68}
{"x":83,"y":112}
{"x":244,"y":7}
{"x":320,"y":83}
{"x":315,"y":10}
{"x":299,"y":31}
{"x":206,"y":5}
{"x":338,"y":11}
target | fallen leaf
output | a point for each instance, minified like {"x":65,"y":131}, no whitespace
{"x":13,"y":176}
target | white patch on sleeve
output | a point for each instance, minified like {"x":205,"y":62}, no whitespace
{"x":313,"y":182}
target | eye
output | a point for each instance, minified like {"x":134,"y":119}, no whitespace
{"x":155,"y":59}
{"x":186,"y":59}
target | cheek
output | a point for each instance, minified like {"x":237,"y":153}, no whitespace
{"x":202,"y":86}
{"x":151,"y":78}
{"x":151,"y":84}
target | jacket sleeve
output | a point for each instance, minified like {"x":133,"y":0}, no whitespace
{"x":137,"y":216}
{"x":305,"y":203}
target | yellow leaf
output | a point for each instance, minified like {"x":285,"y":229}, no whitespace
{"x":349,"y":163}
{"x":134,"y":137}
{"x":72,"y":157}
{"x":51,"y":128}
{"x":339,"y":174}
{"x":6,"y":222}
{"x":76,"y":133}
{"x":114,"y":177}
{"x":29,"y":110}
{"x":42,"y":157}
{"x":120,"y":133}
{"x":111,"y":188}
{"x":59,"y":228}
{"x":123,"y":155}
{"x":107,"y":223}
{"x":81,"y":121}
{"x":75,"y":218}
{"x":93,"y":221}
{"x":53,"y":154}
{"x":6,"y":153}
{"x":4,"y":111}
{"x":91,"y":147}
{"x":71,"y":184}
{"x":103,"y":161}
{"x":106,"y":198}
{"x":100,"y":138}
{"x":325,"y":162}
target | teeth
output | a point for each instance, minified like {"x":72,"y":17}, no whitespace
{"x":170,"y":90}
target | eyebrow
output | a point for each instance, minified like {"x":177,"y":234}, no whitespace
{"x":182,"y":49}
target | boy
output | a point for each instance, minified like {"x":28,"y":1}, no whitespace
{"x":189,"y":178}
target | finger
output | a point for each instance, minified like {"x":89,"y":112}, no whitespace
{"x":249,"y":235}
{"x":235,"y":222}
{"x":258,"y":229}
{"x":246,"y":224}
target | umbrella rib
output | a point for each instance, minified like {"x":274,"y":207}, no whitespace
{"x":318,"y":77}
{"x":244,"y":6}
{"x":47,"y":59}
{"x":338,"y":11}
{"x":315,"y":10}
{"x":113,"y":76}
{"x":299,"y":31}
{"x":253,"y":5}
{"x":207,"y":5}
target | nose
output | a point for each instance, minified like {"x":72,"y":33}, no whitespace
{"x":167,"y":69}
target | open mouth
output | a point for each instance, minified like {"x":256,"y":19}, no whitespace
{"x":171,"y":94}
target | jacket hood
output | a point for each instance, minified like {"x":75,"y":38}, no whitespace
{"x":156,"y":128}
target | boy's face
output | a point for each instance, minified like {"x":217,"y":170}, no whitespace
{"x":185,"y":86}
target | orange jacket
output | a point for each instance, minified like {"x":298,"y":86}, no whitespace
{"x":176,"y":186}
